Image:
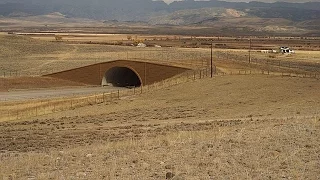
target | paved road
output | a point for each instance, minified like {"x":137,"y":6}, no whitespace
{"x":51,"y":93}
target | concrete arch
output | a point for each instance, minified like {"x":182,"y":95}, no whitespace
{"x":95,"y":74}
{"x":121,"y":76}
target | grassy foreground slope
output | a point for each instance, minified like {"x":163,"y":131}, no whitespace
{"x":234,"y":127}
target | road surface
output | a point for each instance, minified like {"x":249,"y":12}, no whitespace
{"x":19,"y":95}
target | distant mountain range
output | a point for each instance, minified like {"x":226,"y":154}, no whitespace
{"x":257,"y":15}
{"x":143,"y":10}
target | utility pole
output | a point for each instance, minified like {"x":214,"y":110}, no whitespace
{"x":211,"y":70}
{"x":145,"y":75}
{"x":249,"y":50}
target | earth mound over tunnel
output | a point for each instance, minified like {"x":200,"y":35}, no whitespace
{"x":121,"y":73}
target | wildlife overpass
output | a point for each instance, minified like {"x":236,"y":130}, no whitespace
{"x":120,"y":73}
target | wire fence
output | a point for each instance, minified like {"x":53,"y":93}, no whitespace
{"x":10,"y":73}
{"x":170,"y":56}
{"x":183,"y":57}
{"x":196,"y":59}
{"x":270,"y":63}
{"x":273,"y":73}
{"x":34,"y":108}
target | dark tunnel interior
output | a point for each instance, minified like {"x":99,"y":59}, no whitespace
{"x":122,"y":77}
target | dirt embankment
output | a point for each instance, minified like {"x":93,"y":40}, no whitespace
{"x":19,"y":83}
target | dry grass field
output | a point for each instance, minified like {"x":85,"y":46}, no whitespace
{"x":24,"y":56}
{"x":228,"y":127}
{"x":298,"y":56}
{"x":235,"y":127}
{"x":34,"y":55}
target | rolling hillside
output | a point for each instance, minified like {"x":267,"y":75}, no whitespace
{"x":142,"y":10}
{"x":255,"y":16}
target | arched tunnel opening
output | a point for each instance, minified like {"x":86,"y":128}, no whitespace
{"x":122,"y":77}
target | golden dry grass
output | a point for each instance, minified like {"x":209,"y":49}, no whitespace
{"x":23,"y":55}
{"x":26,"y":108}
{"x":298,"y":56}
{"x":26,"y":56}
{"x":228,"y":127}
{"x":260,"y":149}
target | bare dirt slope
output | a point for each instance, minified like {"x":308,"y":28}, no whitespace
{"x":19,"y":83}
{"x":234,"y":127}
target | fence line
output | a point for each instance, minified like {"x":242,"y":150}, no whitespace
{"x":15,"y":111}
{"x":158,"y":55}
{"x":192,"y":58}
{"x":43,"y":107}
{"x":266,"y":72}
{"x":271,"y":63}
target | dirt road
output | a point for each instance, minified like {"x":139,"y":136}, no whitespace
{"x":51,"y":93}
